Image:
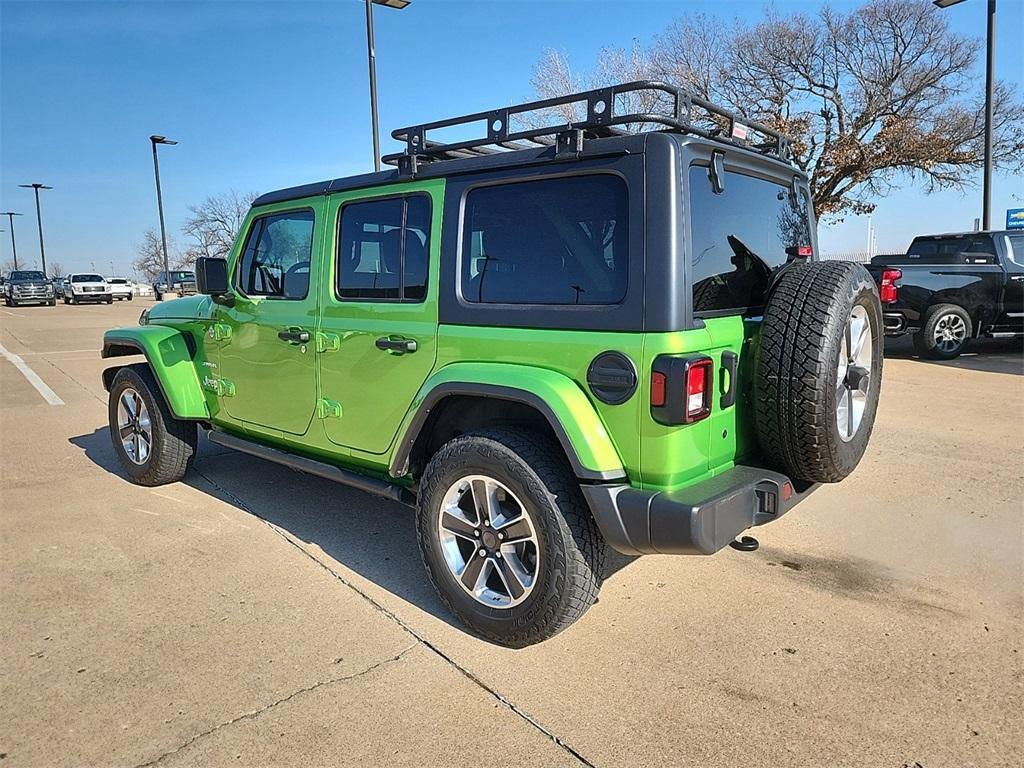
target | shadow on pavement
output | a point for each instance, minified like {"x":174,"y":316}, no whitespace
{"x":372,"y":536}
{"x":988,"y":355}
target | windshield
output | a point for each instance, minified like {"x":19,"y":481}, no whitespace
{"x":27,"y":274}
{"x":87,"y":279}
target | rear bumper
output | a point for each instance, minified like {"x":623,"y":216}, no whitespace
{"x":698,"y":520}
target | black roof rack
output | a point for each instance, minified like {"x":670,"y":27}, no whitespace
{"x":608,"y":114}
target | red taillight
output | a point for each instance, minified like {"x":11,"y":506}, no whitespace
{"x":698,"y":390}
{"x":657,"y":389}
{"x":888,"y":290}
{"x":804,"y":251}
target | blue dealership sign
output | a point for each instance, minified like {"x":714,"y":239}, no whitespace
{"x":1015,"y":218}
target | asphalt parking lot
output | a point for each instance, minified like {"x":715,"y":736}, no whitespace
{"x":255,"y":616}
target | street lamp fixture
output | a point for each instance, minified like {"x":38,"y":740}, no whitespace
{"x":39,"y":219}
{"x":372,"y":60}
{"x":990,"y":66}
{"x":14,"y":247}
{"x":154,"y":140}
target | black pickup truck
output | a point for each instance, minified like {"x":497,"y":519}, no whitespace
{"x":948,"y":289}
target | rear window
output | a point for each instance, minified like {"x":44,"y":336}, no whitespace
{"x":553,"y":241}
{"x":951,"y":246}
{"x":117,"y":281}
{"x":739,"y":237}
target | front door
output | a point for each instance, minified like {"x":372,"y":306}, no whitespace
{"x":378,"y":324}
{"x":267,"y":360}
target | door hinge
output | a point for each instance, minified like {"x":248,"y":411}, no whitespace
{"x":327,"y":342}
{"x":328,"y":409}
{"x":220,"y":331}
{"x":222,"y":387}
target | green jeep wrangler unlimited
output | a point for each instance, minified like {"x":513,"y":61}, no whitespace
{"x":611,"y":332}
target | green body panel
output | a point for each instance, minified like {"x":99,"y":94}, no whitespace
{"x":574,"y":411}
{"x":375,"y":387}
{"x":167,"y":351}
{"x":274,"y":382}
{"x":339,"y":398}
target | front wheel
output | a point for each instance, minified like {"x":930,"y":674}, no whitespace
{"x":152,"y":446}
{"x":507,"y":538}
{"x":130,"y":297}
{"x":946,"y":331}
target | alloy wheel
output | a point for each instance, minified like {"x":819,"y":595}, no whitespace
{"x":488,"y":541}
{"x":134,"y":427}
{"x":853,"y":377}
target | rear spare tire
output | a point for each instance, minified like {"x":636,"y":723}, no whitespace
{"x":819,"y":370}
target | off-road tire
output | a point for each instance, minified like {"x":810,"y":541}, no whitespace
{"x":571,"y":552}
{"x":174,"y":441}
{"x":795,"y":397}
{"x":924,"y":339}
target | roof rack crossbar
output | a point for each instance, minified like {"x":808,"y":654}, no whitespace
{"x":602,"y":119}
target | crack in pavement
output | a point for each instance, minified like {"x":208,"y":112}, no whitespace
{"x":257,"y":712}
{"x":284,"y":534}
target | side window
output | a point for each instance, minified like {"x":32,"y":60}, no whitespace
{"x":1015,"y":249}
{"x":383,"y":249}
{"x":275,"y":261}
{"x":553,"y":241}
{"x":739,"y":237}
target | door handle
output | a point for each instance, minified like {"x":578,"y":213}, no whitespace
{"x":730,"y":363}
{"x":399,"y":345}
{"x":294,"y":336}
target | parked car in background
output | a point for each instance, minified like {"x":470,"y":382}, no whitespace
{"x":58,"y":286}
{"x":28,"y":286}
{"x":179,"y":281}
{"x":948,"y":289}
{"x":121,"y":288}
{"x":143,"y":289}
{"x":86,"y":286}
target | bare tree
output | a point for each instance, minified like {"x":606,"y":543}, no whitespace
{"x":212,"y":227}
{"x":56,"y":269}
{"x":150,"y":259}
{"x":871,"y":98}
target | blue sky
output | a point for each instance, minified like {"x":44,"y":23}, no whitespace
{"x":267,"y":95}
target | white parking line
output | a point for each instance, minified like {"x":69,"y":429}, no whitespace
{"x":33,"y":378}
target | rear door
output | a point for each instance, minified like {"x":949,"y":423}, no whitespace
{"x":378,"y":325}
{"x":1013,"y":297}
{"x":739,"y":238}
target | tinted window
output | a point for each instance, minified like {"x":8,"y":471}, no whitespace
{"x":27,"y":275}
{"x":951,"y":246}
{"x":382,"y":249}
{"x":275,"y":261}
{"x":555,"y":241}
{"x":1015,"y":249}
{"x":739,"y":237}
{"x":86,"y":279}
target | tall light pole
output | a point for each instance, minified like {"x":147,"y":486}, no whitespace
{"x":39,"y":219}
{"x":372,"y":59}
{"x":154,"y":140}
{"x":990,"y":84}
{"x":14,"y":246}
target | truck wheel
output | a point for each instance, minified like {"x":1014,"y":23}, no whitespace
{"x":153,"y":447}
{"x":819,"y":370}
{"x":507,"y":538}
{"x":945,"y":334}
{"x":130,"y":296}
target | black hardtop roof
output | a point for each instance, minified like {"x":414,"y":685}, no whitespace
{"x":967,"y":234}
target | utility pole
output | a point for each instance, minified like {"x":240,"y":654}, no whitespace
{"x":154,"y":140}
{"x":14,"y":246}
{"x":371,"y":56}
{"x":39,"y":219}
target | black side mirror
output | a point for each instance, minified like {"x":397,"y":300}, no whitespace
{"x":212,"y":276}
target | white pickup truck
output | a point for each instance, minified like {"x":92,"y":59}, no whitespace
{"x":81,"y":287}
{"x":121,"y":288}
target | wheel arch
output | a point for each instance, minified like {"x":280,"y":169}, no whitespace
{"x":544,"y":400}
{"x":170,"y":357}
